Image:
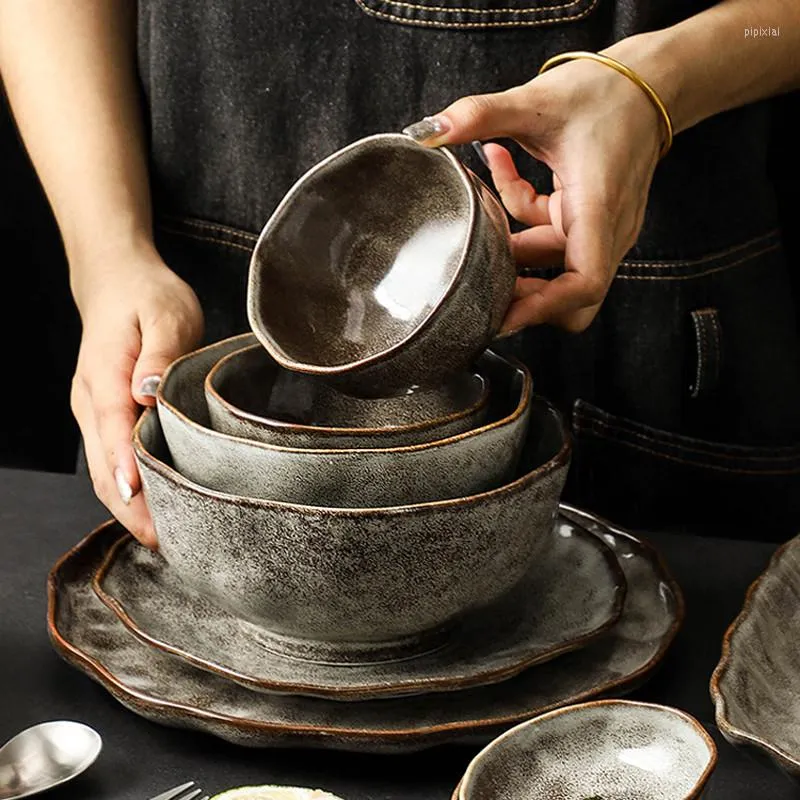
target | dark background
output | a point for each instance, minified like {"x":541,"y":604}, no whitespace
{"x":40,"y":329}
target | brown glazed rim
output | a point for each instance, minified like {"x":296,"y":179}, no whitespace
{"x":718,"y":676}
{"x":325,"y":430}
{"x":136,"y":698}
{"x":376,"y":689}
{"x":526,"y":394}
{"x":263,"y":335}
{"x":461,"y":789}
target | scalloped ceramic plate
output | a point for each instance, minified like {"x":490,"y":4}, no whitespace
{"x":756,"y":685}
{"x":573,"y":595}
{"x":168,"y":690}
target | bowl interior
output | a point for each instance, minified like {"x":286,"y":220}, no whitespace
{"x":251,"y":385}
{"x":360,"y":252}
{"x":598,"y":750}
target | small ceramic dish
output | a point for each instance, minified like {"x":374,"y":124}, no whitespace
{"x":756,"y":685}
{"x":251,"y":396}
{"x":477,"y":460}
{"x":597,"y":750}
{"x":361,"y":584}
{"x":386,"y":265}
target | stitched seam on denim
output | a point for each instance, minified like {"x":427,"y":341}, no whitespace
{"x":211,"y":226}
{"x":506,"y":24}
{"x":699,"y":342}
{"x":485,"y":11}
{"x":705,"y":272}
{"x":610,"y":433}
{"x":710,"y":257}
{"x":200,"y":238}
{"x":695,"y":464}
{"x":715,"y":329}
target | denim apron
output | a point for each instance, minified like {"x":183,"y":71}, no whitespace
{"x":682,"y":395}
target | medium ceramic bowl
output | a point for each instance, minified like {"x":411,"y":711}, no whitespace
{"x":470,"y":462}
{"x":386,"y":265}
{"x":597,"y":750}
{"x":355,"y":583}
{"x":250,"y":395}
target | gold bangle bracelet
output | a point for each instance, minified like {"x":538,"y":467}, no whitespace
{"x":628,"y":73}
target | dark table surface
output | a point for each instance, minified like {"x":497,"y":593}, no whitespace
{"x":43,"y":515}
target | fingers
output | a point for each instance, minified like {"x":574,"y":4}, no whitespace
{"x":133,"y":514}
{"x":482,"y":117}
{"x":572,"y":299}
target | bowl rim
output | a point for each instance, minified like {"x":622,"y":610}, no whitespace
{"x":170,"y":474}
{"x":522,"y":407}
{"x":253,"y":313}
{"x":462,"y":788}
{"x":295,"y":428}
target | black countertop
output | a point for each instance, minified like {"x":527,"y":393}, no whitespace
{"x":43,"y":515}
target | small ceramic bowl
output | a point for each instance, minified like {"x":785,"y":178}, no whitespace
{"x":386,"y":265}
{"x":361,"y":584}
{"x":480,"y":459}
{"x":597,"y":750}
{"x":250,"y":395}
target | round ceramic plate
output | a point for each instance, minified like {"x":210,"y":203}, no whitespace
{"x":171,"y":691}
{"x":573,"y":594}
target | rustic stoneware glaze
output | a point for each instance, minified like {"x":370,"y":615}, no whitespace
{"x":605,"y":749}
{"x":471,"y":462}
{"x":171,"y":691}
{"x":250,"y":395}
{"x":756,"y":686}
{"x":573,"y":596}
{"x":356,"y":583}
{"x":386,"y":265}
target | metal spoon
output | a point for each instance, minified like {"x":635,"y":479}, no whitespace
{"x":45,"y":756}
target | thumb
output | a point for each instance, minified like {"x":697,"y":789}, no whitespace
{"x":158,"y":351}
{"x":476,"y":117}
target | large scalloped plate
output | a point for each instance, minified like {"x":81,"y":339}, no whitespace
{"x":166,"y":689}
{"x":756,"y":685}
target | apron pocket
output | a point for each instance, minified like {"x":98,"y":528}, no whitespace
{"x":645,"y":477}
{"x":471,"y":14}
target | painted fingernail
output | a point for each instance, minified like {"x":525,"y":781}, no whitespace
{"x":427,"y":128}
{"x":123,"y":487}
{"x":149,"y":386}
{"x":478,"y":147}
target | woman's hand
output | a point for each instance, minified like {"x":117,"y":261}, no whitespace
{"x":601,"y":136}
{"x":138,"y":316}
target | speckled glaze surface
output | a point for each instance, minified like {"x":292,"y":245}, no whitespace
{"x":386,"y":265}
{"x":168,"y":690}
{"x":474,"y":461}
{"x":251,"y":396}
{"x":604,"y":750}
{"x":571,"y":598}
{"x":337,"y":584}
{"x":756,"y":685}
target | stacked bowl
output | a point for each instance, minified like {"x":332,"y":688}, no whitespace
{"x":358,"y":501}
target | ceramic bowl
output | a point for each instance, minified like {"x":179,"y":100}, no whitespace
{"x":756,"y":685}
{"x":470,"y":462}
{"x":597,"y":750}
{"x":250,"y":395}
{"x":362,"y":583}
{"x":386,"y":265}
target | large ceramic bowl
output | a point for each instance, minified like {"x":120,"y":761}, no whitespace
{"x":756,"y":685}
{"x":250,"y":395}
{"x":386,"y":265}
{"x":474,"y":461}
{"x":376,"y":584}
{"x":597,"y":750}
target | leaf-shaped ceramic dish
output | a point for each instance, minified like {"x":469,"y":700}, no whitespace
{"x":756,"y":685}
